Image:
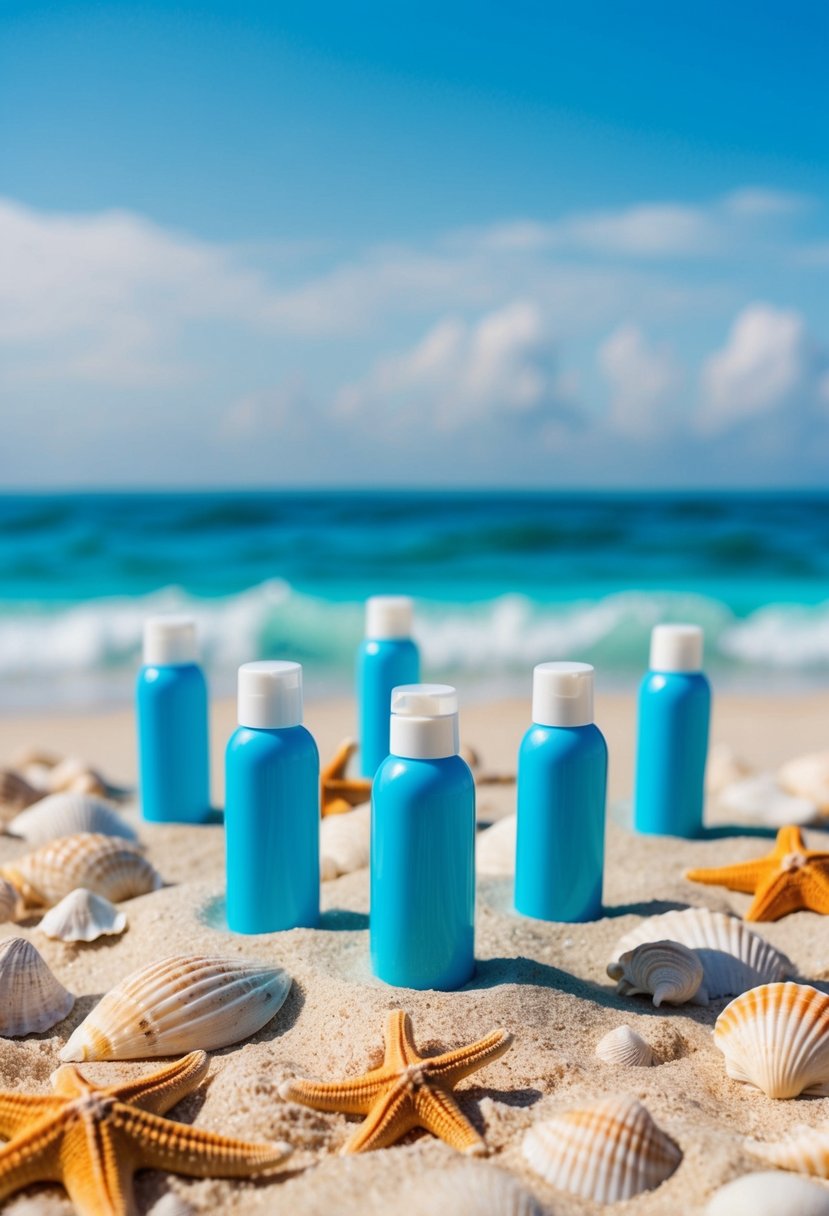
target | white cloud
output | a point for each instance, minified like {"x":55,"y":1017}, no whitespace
{"x":649,"y":230}
{"x":643,"y":381}
{"x":753,"y":201}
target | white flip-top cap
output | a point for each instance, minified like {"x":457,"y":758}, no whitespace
{"x":563,"y":694}
{"x":676,"y":648}
{"x":388,"y":616}
{"x":424,"y":721}
{"x":170,"y":640}
{"x":270,"y":695}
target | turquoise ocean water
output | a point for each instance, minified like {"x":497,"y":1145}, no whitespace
{"x":502,"y":580}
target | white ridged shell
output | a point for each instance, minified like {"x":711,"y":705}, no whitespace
{"x":479,"y":1190}
{"x":82,"y":916}
{"x":344,"y":842}
{"x":761,"y":799}
{"x":808,"y":777}
{"x":9,"y":900}
{"x":66,"y":815}
{"x":776,"y":1037}
{"x":181,"y":1004}
{"x":495,"y":848}
{"x":769,"y":1193}
{"x":624,"y":1046}
{"x":669,"y":971}
{"x":107,"y":865}
{"x":733,"y":957}
{"x":33,"y":999}
{"x":607,"y":1152}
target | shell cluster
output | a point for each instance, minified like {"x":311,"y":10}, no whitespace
{"x":107,"y":865}
{"x":82,"y":916}
{"x":65,"y":815}
{"x":625,"y":1047}
{"x":776,"y":1037}
{"x":667,"y":970}
{"x":33,"y":999}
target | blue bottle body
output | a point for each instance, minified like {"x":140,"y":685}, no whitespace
{"x":381,"y":666}
{"x":272,"y":830}
{"x":672,"y":747}
{"x":562,"y":785}
{"x":173,"y":757}
{"x":422,"y":922}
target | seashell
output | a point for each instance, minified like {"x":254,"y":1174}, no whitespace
{"x":723,"y":768}
{"x":82,"y":916}
{"x":760,"y":798}
{"x":769,"y":1193}
{"x":606,"y":1152}
{"x":495,"y":847}
{"x":625,"y":1046}
{"x":481,"y":1190}
{"x":806,"y":1152}
{"x":66,"y":815}
{"x":181,"y":1003}
{"x":668,"y":970}
{"x":107,"y":865}
{"x":733,"y":957}
{"x":808,"y":777}
{"x":776,"y":1037}
{"x":344,"y":842}
{"x":172,"y":1204}
{"x":34,"y":999}
{"x":9,"y":900}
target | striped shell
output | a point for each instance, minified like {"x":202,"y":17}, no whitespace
{"x":733,"y":957}
{"x":808,"y":777}
{"x":669,"y":971}
{"x":65,"y":815}
{"x":82,"y":916}
{"x":624,"y":1046}
{"x":776,"y":1037}
{"x":480,"y":1190}
{"x":107,"y":865}
{"x":610,"y":1151}
{"x":9,"y":900}
{"x":761,"y":799}
{"x":495,"y":847}
{"x":33,"y":999}
{"x":178,"y":1005}
{"x":344,"y":842}
{"x":806,"y":1152}
{"x":769,"y":1193}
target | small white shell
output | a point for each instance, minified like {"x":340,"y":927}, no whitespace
{"x":65,"y":815}
{"x":344,"y":842}
{"x":723,"y":768}
{"x":668,"y":970}
{"x":495,"y":847}
{"x":178,"y":1005}
{"x":733,"y":957}
{"x":776,"y":1037}
{"x":172,"y":1204}
{"x":808,"y":777}
{"x":761,"y":799}
{"x":769,"y":1193}
{"x":33,"y":999}
{"x":107,"y":865}
{"x":480,"y":1190}
{"x":607,"y":1152}
{"x":82,"y":916}
{"x":9,"y":900}
{"x":624,"y":1046}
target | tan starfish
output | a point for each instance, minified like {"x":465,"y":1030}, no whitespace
{"x":91,"y":1138}
{"x":791,"y":878}
{"x":406,"y":1091}
{"x":340,"y":793}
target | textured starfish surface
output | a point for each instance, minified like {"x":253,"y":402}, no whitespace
{"x":791,"y":878}
{"x":340,"y":793}
{"x":92,"y":1139}
{"x":406,"y":1091}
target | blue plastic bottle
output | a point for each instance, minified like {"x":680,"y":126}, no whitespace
{"x":387,"y":658}
{"x":562,"y":785}
{"x":171,"y":708}
{"x":272,"y":776}
{"x":672,"y":747}
{"x":423,"y":847}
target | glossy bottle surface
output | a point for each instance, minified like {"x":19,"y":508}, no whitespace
{"x":671,"y":750}
{"x":174,"y":772}
{"x":423,"y":873}
{"x":562,"y":783}
{"x":272,"y":830}
{"x":381,"y":666}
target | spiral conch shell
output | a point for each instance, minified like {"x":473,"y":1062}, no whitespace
{"x":82,"y":916}
{"x":776,"y":1037}
{"x":607,"y":1152}
{"x":66,"y":815}
{"x":33,"y":999}
{"x":181,"y":1003}
{"x":107,"y":865}
{"x":624,"y":1046}
{"x":669,"y":971}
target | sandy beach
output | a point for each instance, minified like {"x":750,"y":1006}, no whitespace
{"x":545,"y":983}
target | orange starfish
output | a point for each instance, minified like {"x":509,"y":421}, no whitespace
{"x":340,"y":793}
{"x":789,"y":879}
{"x":92,"y":1139}
{"x":406,"y":1091}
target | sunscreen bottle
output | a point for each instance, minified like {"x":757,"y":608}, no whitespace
{"x":387,"y":657}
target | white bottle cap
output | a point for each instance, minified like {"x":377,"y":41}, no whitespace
{"x":388,"y":616}
{"x":170,"y":640}
{"x":563,"y":694}
{"x":676,"y":648}
{"x":424,"y":721}
{"x":270,"y":695}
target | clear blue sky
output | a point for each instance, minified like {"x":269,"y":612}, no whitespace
{"x":359,"y":242}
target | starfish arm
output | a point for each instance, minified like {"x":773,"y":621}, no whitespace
{"x":336,"y":766}
{"x":18,"y":1110}
{"x":32,"y":1156}
{"x":789,"y":840}
{"x":97,"y":1168}
{"x":181,"y":1149}
{"x":745,"y":876}
{"x":390,"y":1118}
{"x":440,"y":1114}
{"x":399,"y":1040}
{"x":161,"y":1090}
{"x":353,"y":1097}
{"x":815,"y":882}
{"x":792,"y":891}
{"x":453,"y":1066}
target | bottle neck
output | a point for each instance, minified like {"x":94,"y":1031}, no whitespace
{"x":412,"y":738}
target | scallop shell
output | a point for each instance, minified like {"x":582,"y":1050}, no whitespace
{"x":9,"y":900}
{"x":344,"y":842}
{"x":606,"y":1152}
{"x":808,"y":777}
{"x":34,"y":999}
{"x":182,"y":1003}
{"x":107,"y":865}
{"x":66,"y":815}
{"x":770,"y":1193}
{"x":668,"y":970}
{"x":481,"y":1190}
{"x":761,"y":799}
{"x":733,"y":957}
{"x":776,"y":1037}
{"x":495,"y":847}
{"x":82,"y":916}
{"x":723,"y":768}
{"x":624,"y":1046}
